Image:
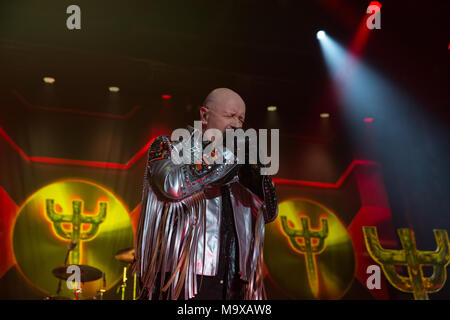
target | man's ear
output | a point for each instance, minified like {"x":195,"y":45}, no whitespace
{"x":204,"y":115}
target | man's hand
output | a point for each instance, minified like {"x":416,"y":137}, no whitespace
{"x":250,"y":177}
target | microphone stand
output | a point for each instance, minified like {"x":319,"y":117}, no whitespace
{"x":72,"y":246}
{"x":103,"y":288}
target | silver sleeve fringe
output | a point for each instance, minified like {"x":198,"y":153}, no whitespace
{"x":166,"y":241}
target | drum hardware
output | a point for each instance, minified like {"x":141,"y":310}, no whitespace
{"x":126,"y":256}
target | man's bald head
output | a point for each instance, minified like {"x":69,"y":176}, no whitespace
{"x":223,"y":108}
{"x":221,"y":97}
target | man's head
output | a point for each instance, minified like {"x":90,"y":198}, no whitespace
{"x":222,"y":109}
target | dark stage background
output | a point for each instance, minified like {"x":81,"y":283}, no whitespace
{"x":379,"y":159}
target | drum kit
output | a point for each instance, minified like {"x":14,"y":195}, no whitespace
{"x":90,"y":274}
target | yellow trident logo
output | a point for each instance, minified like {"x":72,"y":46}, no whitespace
{"x":413,"y":259}
{"x":309,"y":249}
{"x":71,"y":210}
{"x":76,"y":220}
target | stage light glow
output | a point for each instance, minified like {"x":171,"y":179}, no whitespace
{"x":49,"y":80}
{"x":339,"y":61}
{"x":360,"y":90}
{"x":320,"y":35}
{"x":271,"y":108}
{"x":324,"y":115}
{"x":114,"y":89}
{"x":166,"y":96}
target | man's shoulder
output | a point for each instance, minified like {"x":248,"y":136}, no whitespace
{"x":159,"y":148}
{"x":163,"y":142}
{"x":159,"y":140}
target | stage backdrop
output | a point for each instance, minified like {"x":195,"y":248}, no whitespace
{"x":70,"y":174}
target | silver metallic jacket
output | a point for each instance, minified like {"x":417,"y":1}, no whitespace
{"x":179,"y":223}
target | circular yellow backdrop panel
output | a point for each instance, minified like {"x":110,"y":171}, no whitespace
{"x":301,"y":272}
{"x":39,"y":248}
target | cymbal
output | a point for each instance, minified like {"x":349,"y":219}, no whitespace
{"x":87,"y":273}
{"x":125,"y":255}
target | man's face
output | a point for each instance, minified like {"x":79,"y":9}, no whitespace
{"x":229,"y":115}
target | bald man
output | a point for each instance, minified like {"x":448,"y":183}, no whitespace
{"x":222,"y":109}
{"x":201,"y":227}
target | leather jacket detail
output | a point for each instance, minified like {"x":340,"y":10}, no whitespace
{"x":179,"y":224}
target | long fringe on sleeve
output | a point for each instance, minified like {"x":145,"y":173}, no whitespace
{"x":167,"y":240}
{"x":255,"y":287}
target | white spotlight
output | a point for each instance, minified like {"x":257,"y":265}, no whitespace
{"x":320,"y":35}
{"x":114,"y":89}
{"x":272,"y":108}
{"x":324,"y":115}
{"x":49,"y":80}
